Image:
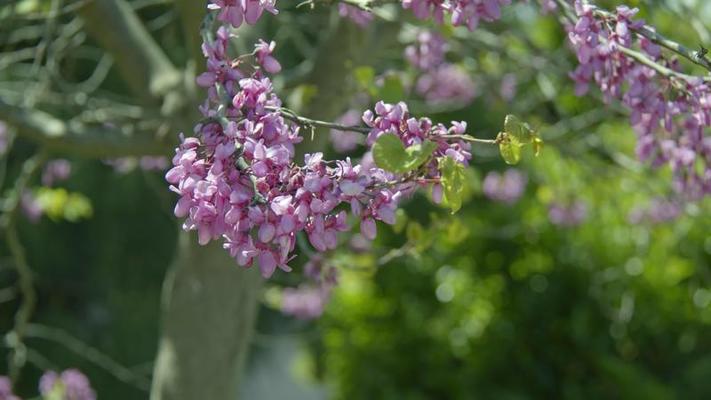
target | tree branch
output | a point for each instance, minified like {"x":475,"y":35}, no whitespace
{"x":142,"y":63}
{"x":303,"y":121}
{"x":641,"y":58}
{"x":15,"y":338}
{"x":78,"y":139}
{"x":651,"y":34}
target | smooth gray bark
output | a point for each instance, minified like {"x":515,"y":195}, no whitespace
{"x":209,"y":310}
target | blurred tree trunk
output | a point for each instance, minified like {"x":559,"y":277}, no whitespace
{"x":209,"y":309}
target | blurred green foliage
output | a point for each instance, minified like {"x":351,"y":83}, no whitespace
{"x":495,"y":302}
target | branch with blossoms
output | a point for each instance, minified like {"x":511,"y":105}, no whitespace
{"x":238,"y":181}
{"x":669,"y":110}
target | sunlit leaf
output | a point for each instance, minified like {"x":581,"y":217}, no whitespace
{"x":391,"y":155}
{"x":452,"y":181}
{"x":518,"y":129}
{"x":510,"y":148}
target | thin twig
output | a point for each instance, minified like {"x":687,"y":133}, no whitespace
{"x":292,"y":116}
{"x":308,"y":122}
{"x":651,"y":34}
{"x":640,"y":57}
{"x":15,"y":337}
{"x":92,"y":354}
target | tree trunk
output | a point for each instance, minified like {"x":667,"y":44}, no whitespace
{"x":209,"y":310}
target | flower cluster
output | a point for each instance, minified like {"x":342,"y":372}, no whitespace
{"x":309,"y":300}
{"x":6,"y":389}
{"x":71,"y":384}
{"x":238,"y":181}
{"x":428,"y":50}
{"x":440,"y":82}
{"x":55,"y":171}
{"x":345,"y":141}
{"x":669,"y":110}
{"x":567,"y":214}
{"x":236,"y":11}
{"x":359,"y":17}
{"x":448,"y":83}
{"x":463,"y":12}
{"x":659,"y":210}
{"x":507,"y":187}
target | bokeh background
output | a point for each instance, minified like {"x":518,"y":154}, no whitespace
{"x":576,"y":274}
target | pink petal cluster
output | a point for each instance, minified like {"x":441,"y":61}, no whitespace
{"x":446,"y":84}
{"x":56,"y":171}
{"x":659,"y":210}
{"x":263,"y":51}
{"x":428,"y":50}
{"x":395,"y":119}
{"x":359,"y":17}
{"x":567,"y":214}
{"x":235,"y":12}
{"x":74,"y":385}
{"x":238,"y":181}
{"x":345,"y":141}
{"x":668,"y":113}
{"x":463,"y":12}
{"x":6,"y":389}
{"x":507,"y":187}
{"x":441,"y":82}
{"x":309,"y":300}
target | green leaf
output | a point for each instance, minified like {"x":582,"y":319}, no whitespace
{"x":452,"y":181}
{"x":510,"y":148}
{"x":418,"y":154}
{"x":391,"y":155}
{"x":78,"y":206}
{"x":59,"y":204}
{"x":518,"y":129}
{"x":516,"y":134}
{"x":392,"y":90}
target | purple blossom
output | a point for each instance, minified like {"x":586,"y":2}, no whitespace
{"x":360,"y":17}
{"x":508,"y":87}
{"x":71,"y":382}
{"x":446,"y":84}
{"x":567,"y":214}
{"x":463,"y":12}
{"x":305,"y":302}
{"x":31,"y":207}
{"x":263,"y":52}
{"x":6,"y":389}
{"x":345,"y":141}
{"x":235,"y":12}
{"x":660,"y":210}
{"x":669,"y":123}
{"x":237,"y":180}
{"x":427,"y":52}
{"x":56,"y":171}
{"x":309,"y":300}
{"x":507,"y":187}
